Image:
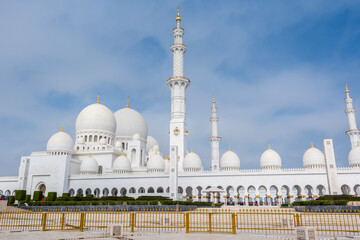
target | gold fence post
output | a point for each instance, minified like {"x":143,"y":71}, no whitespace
{"x":44,"y":222}
{"x":210,"y":230}
{"x":187,"y":222}
{"x":62,"y":221}
{"x":297,"y":216}
{"x":233,"y":223}
{"x":132,"y":221}
{"x":82,"y":216}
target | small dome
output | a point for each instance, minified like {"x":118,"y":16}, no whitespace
{"x":129,"y":122}
{"x":89,"y":166}
{"x":192,"y":162}
{"x":156,"y":163}
{"x":122,"y":164}
{"x":270,"y":159}
{"x":60,"y":141}
{"x":150,"y":143}
{"x":354,"y":157}
{"x":230,"y":161}
{"x":96,"y":117}
{"x":118,"y":145}
{"x":103,"y":141}
{"x":313,"y":158}
{"x":136,"y":137}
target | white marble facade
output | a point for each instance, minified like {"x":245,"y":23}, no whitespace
{"x":112,"y":154}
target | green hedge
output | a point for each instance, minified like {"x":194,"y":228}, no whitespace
{"x":51,"y":196}
{"x":20,"y":195}
{"x":38,"y":196}
{"x":149,"y":198}
{"x":28,"y":198}
{"x":320,"y":203}
{"x":11,"y":200}
{"x":66,"y":195}
{"x":339,"y":197}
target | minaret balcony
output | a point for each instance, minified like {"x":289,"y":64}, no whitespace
{"x":176,"y":131}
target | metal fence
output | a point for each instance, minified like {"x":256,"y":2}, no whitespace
{"x":201,"y":220}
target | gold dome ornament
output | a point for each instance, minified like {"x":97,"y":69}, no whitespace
{"x":346,"y":89}
{"x":98,"y":98}
{"x":213,"y":101}
{"x":178,"y":18}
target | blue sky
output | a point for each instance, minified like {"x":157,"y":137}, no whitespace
{"x":277,"y":69}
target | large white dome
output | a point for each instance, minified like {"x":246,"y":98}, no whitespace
{"x":313,"y":158}
{"x":156,"y":163}
{"x":129,"y":122}
{"x":230,"y":161}
{"x":354,"y":157}
{"x":60,"y":141}
{"x":192,"y":162}
{"x":151,"y":142}
{"x":96,"y":117}
{"x":89,"y":166}
{"x":270,"y":159}
{"x":122,"y":164}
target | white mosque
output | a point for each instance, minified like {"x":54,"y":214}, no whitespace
{"x":112,"y":154}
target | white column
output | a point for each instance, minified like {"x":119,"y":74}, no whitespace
{"x":331,"y":170}
{"x":214,"y":139}
{"x":178,"y":85}
{"x":353,"y":132}
{"x":173,"y":173}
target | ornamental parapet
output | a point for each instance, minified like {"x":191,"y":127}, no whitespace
{"x":178,"y":78}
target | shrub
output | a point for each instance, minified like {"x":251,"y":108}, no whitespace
{"x":202,"y":203}
{"x":28,"y":198}
{"x":285,"y":204}
{"x":20,"y":195}
{"x":66,"y":194}
{"x":153,"y":198}
{"x":79,"y":195}
{"x":38,"y":196}
{"x":218,"y":204}
{"x":51,"y":196}
{"x":11,"y":200}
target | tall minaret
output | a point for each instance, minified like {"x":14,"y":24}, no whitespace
{"x":214,"y":139}
{"x":178,"y":84}
{"x":353,"y":132}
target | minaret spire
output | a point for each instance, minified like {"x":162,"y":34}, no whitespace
{"x":353,"y":132}
{"x":214,"y":139}
{"x":178,"y":84}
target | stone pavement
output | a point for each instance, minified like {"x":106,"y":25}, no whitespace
{"x":75,"y":235}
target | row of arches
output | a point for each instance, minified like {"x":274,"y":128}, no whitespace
{"x":239,"y":194}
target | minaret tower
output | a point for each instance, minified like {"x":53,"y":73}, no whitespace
{"x":214,"y":139}
{"x":178,"y":84}
{"x":353,"y":132}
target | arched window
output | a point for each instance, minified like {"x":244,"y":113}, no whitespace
{"x":114,"y":192}
{"x":95,"y":138}
{"x":97,"y":192}
{"x":72,"y":192}
{"x":100,"y":169}
{"x":105,"y":192}
{"x":141,"y":190}
{"x":7,"y":193}
{"x":88,"y":191}
{"x":123,"y":192}
{"x":167,"y":190}
{"x":160,"y":190}
{"x":86,"y":138}
{"x":90,"y":138}
{"x":132,"y":190}
{"x":79,"y":192}
{"x":151,"y":190}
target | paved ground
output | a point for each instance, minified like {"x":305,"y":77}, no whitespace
{"x":69,"y":235}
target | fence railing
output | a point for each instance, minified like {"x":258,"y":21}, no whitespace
{"x":201,"y":220}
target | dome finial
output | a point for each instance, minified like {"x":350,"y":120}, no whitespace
{"x":213,"y":101}
{"x":192,"y":149}
{"x":90,"y":155}
{"x":312,"y":145}
{"x":127,"y":102}
{"x":122,"y":153}
{"x":229,"y":149}
{"x":346,"y":89}
{"x":358,"y":144}
{"x":98,"y":98}
{"x":269,"y":147}
{"x":62,"y":128}
{"x":178,"y":18}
